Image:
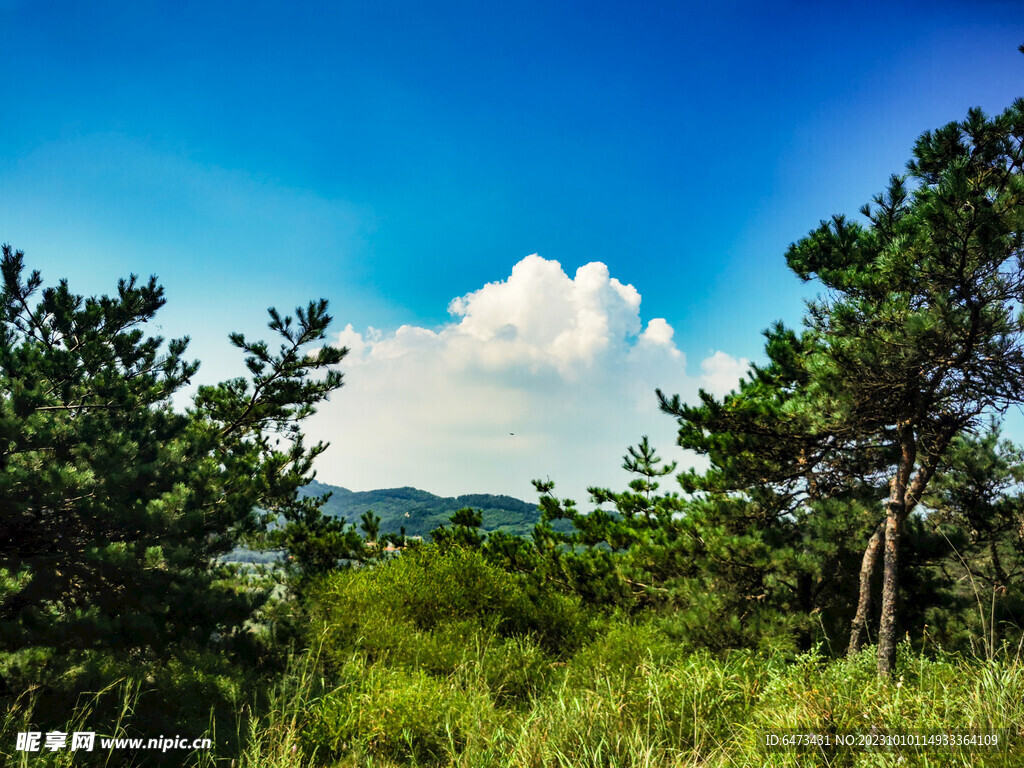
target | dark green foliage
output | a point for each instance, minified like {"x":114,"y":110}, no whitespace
{"x":465,"y":530}
{"x":759,"y":553}
{"x":624,"y":557}
{"x":967,"y":572}
{"x":314,"y":542}
{"x":114,"y":505}
{"x":370,"y":523}
{"x":784,"y":509}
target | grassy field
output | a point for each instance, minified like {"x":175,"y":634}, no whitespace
{"x":448,"y":662}
{"x":628,"y":700}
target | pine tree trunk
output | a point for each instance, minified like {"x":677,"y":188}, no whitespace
{"x":890,"y":593}
{"x":895,"y":514}
{"x":868,"y":565}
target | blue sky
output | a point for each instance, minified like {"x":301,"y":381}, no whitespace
{"x":393,"y":157}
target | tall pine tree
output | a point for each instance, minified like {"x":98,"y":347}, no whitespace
{"x":919,"y":332}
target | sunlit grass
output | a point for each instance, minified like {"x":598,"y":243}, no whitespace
{"x":625,"y":700}
{"x":601,"y":709}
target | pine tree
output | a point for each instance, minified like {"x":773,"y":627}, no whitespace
{"x":919,"y":336}
{"x":114,"y":504}
{"x":782,"y":508}
{"x":465,"y":530}
{"x":370,"y":523}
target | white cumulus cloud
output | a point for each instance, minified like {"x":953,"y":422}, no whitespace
{"x":538,"y":375}
{"x":721,"y":373}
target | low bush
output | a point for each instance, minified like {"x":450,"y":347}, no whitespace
{"x":429,"y":608}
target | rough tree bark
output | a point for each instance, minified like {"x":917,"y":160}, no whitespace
{"x":868,"y":565}
{"x":905,"y":496}
{"x":895,"y":514}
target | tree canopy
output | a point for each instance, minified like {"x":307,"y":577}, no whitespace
{"x":820,"y":456}
{"x":920,"y":331}
{"x":116,"y":503}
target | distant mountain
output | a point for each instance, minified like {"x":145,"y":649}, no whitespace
{"x":421,"y":512}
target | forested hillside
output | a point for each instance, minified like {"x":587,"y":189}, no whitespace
{"x":420,"y":512}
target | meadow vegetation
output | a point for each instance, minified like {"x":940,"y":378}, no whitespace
{"x":409,"y":664}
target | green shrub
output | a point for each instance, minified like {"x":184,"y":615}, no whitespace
{"x":426,"y":607}
{"x":388,"y":712}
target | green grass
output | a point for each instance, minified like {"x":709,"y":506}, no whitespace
{"x":629,"y":698}
{"x":617,"y":704}
{"x":447,"y":661}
